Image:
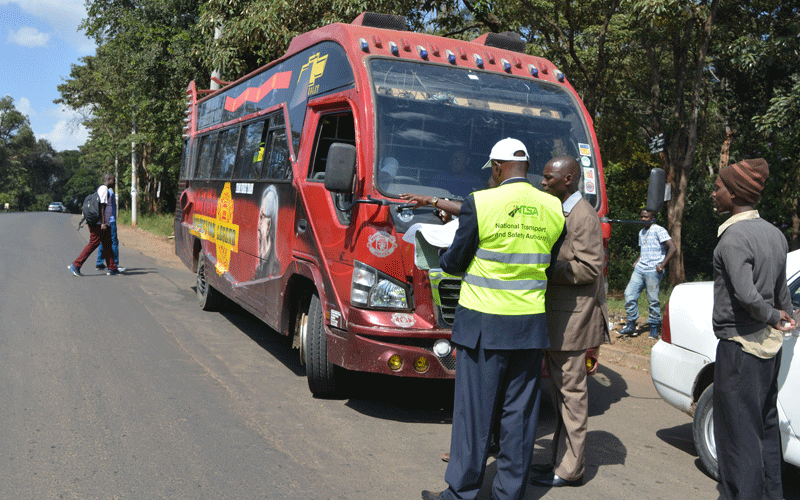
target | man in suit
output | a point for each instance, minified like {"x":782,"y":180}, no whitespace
{"x":503,"y":246}
{"x":577,"y":319}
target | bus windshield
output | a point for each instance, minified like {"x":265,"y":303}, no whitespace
{"x":436,"y":125}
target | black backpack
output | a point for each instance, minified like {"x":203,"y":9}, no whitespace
{"x":91,"y":210}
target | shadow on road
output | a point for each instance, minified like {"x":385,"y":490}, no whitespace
{"x":279,"y":346}
{"x":379,"y":396}
{"x":401,"y":399}
{"x":606,"y":387}
{"x":679,"y":437}
{"x":602,"y":449}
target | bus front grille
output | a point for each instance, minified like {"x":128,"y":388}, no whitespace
{"x":449,"y":290}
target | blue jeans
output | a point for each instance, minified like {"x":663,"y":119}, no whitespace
{"x":639,"y":281}
{"x":114,"y":246}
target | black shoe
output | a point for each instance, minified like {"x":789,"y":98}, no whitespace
{"x":553,"y":481}
{"x":100,"y":267}
{"x":433,"y":495}
{"x":541,"y":470}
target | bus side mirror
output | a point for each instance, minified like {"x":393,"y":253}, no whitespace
{"x":340,"y":168}
{"x":655,"y":190}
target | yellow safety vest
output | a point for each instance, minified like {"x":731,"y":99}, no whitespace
{"x":518,"y":226}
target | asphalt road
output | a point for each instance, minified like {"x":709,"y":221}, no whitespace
{"x":120,"y":387}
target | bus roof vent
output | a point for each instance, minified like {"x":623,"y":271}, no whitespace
{"x":507,"y":40}
{"x":384,"y":21}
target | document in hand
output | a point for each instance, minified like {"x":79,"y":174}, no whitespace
{"x":428,"y":239}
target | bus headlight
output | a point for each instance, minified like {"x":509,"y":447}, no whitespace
{"x":373,"y":289}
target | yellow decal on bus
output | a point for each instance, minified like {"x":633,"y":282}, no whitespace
{"x":317,"y":64}
{"x":221,"y":230}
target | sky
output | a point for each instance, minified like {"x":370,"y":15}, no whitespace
{"x":39,"y":41}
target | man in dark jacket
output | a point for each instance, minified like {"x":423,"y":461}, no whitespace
{"x":751,"y":312}
{"x":506,"y":239}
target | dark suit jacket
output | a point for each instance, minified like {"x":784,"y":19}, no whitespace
{"x":494,"y":331}
{"x":577,"y":315}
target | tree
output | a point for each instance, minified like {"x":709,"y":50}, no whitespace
{"x":675,"y":41}
{"x":27,"y":166}
{"x":255,"y":32}
{"x":145,"y":59}
{"x":758,"y":80}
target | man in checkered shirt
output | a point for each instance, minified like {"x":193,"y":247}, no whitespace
{"x":657,"y":248}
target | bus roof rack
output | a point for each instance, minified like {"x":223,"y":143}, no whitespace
{"x":507,"y":40}
{"x":384,"y":21}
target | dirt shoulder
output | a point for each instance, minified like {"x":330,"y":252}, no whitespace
{"x":161,"y":248}
{"x":631,"y":352}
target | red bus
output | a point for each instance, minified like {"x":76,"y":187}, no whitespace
{"x":291,"y":177}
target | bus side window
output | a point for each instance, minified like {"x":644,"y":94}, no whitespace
{"x":226,"y":154}
{"x":334,"y":128}
{"x":250,"y":157}
{"x":278,"y":166}
{"x":205,"y":158}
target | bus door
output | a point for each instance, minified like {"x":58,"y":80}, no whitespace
{"x":322,"y":212}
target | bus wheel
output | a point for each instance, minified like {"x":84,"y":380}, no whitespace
{"x":209,"y":299}
{"x":320,"y":372}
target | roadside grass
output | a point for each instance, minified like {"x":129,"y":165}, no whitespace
{"x":616,"y":302}
{"x":158,"y":224}
{"x":641,"y":344}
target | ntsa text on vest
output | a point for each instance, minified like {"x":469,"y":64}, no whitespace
{"x":510,"y":225}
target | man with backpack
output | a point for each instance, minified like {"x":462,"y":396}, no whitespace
{"x":97,"y":212}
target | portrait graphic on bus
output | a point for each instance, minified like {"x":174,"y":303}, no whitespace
{"x":268,"y":264}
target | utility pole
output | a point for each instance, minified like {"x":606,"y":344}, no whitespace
{"x":116,"y":176}
{"x":216,"y":74}
{"x":134,"y":181}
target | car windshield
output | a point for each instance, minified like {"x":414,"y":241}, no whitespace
{"x":436,"y":125}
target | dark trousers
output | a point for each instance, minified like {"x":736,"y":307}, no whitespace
{"x":114,"y":246}
{"x":97,"y":236}
{"x":489,"y":382}
{"x":746,"y":423}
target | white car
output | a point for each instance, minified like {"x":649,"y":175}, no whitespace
{"x":56,"y":206}
{"x":682,"y":366}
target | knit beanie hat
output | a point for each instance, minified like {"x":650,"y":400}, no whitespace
{"x":746,"y":179}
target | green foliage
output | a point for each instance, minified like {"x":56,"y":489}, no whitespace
{"x":30,"y":169}
{"x":255,"y":32}
{"x":160,"y":224}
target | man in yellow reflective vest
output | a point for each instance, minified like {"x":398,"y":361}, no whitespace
{"x":506,"y":239}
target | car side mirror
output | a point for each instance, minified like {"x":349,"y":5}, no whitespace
{"x":340,"y":168}
{"x":655,"y":190}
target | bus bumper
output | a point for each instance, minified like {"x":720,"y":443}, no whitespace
{"x":365,"y":350}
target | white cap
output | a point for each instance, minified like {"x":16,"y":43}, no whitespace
{"x":504,"y":151}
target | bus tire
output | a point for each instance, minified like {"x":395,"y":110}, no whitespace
{"x":703,"y":432}
{"x":209,"y":298}
{"x":320,"y":372}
